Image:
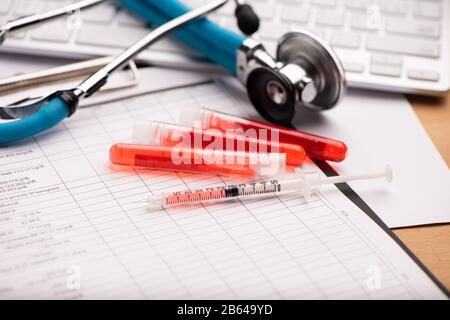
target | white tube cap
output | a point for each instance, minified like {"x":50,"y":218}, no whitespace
{"x":143,"y":132}
{"x":189,"y":116}
{"x":268,"y":164}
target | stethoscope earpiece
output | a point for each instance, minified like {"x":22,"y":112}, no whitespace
{"x":247,"y":20}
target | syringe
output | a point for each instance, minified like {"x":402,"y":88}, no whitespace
{"x":306,"y":184}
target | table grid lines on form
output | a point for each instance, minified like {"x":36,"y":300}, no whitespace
{"x":63,"y":206}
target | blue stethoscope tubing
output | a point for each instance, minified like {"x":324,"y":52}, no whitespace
{"x":55,"y":111}
{"x":216,"y":43}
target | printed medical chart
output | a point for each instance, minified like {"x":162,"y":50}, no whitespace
{"x":74,"y":226}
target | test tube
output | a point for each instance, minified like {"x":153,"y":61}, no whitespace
{"x":166,"y":134}
{"x":316,"y":147}
{"x":193,"y":160}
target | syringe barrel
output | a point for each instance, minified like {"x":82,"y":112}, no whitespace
{"x":166,"y":134}
{"x":316,"y":147}
{"x":213,"y":194}
{"x":173,"y":199}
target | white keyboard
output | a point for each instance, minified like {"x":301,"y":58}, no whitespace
{"x":393,"y":45}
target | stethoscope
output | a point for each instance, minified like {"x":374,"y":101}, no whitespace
{"x":305,"y":73}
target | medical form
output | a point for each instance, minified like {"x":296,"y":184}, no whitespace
{"x":74,"y":226}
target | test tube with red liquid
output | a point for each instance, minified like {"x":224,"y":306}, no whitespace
{"x":166,"y":134}
{"x":316,"y":147}
{"x":191,"y":160}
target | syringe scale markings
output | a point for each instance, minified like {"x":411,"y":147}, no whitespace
{"x":221,"y":193}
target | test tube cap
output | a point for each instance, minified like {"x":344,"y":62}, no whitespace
{"x":143,"y":132}
{"x":268,"y":164}
{"x":189,"y":116}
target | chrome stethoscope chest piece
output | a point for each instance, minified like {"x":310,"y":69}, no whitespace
{"x":305,"y":73}
{"x":321,"y":64}
{"x":272,"y":95}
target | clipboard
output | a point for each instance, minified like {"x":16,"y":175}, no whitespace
{"x":361,"y":204}
{"x":130,"y":82}
{"x":137,"y":86}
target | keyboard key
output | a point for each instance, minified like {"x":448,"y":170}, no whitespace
{"x":264,"y":11}
{"x":103,"y":13}
{"x":55,"y":31}
{"x":397,"y":7}
{"x":18,"y":35}
{"x":329,"y":3}
{"x":364,"y":22}
{"x":413,"y":27}
{"x":28,"y":7}
{"x":386,"y":70}
{"x":387,"y":59}
{"x":330,"y":18}
{"x":50,"y":5}
{"x":426,"y":75}
{"x":272,"y":31}
{"x":5,"y":5}
{"x":345,"y":39}
{"x":359,"y":5}
{"x":101,"y":35}
{"x":386,"y":65}
{"x":297,"y":14}
{"x":424,"y":9}
{"x":417,"y":47}
{"x":353,"y":67}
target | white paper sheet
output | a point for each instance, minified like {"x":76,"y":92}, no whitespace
{"x":379,"y":129}
{"x":74,"y":226}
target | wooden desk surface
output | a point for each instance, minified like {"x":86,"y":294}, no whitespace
{"x":431,"y":244}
